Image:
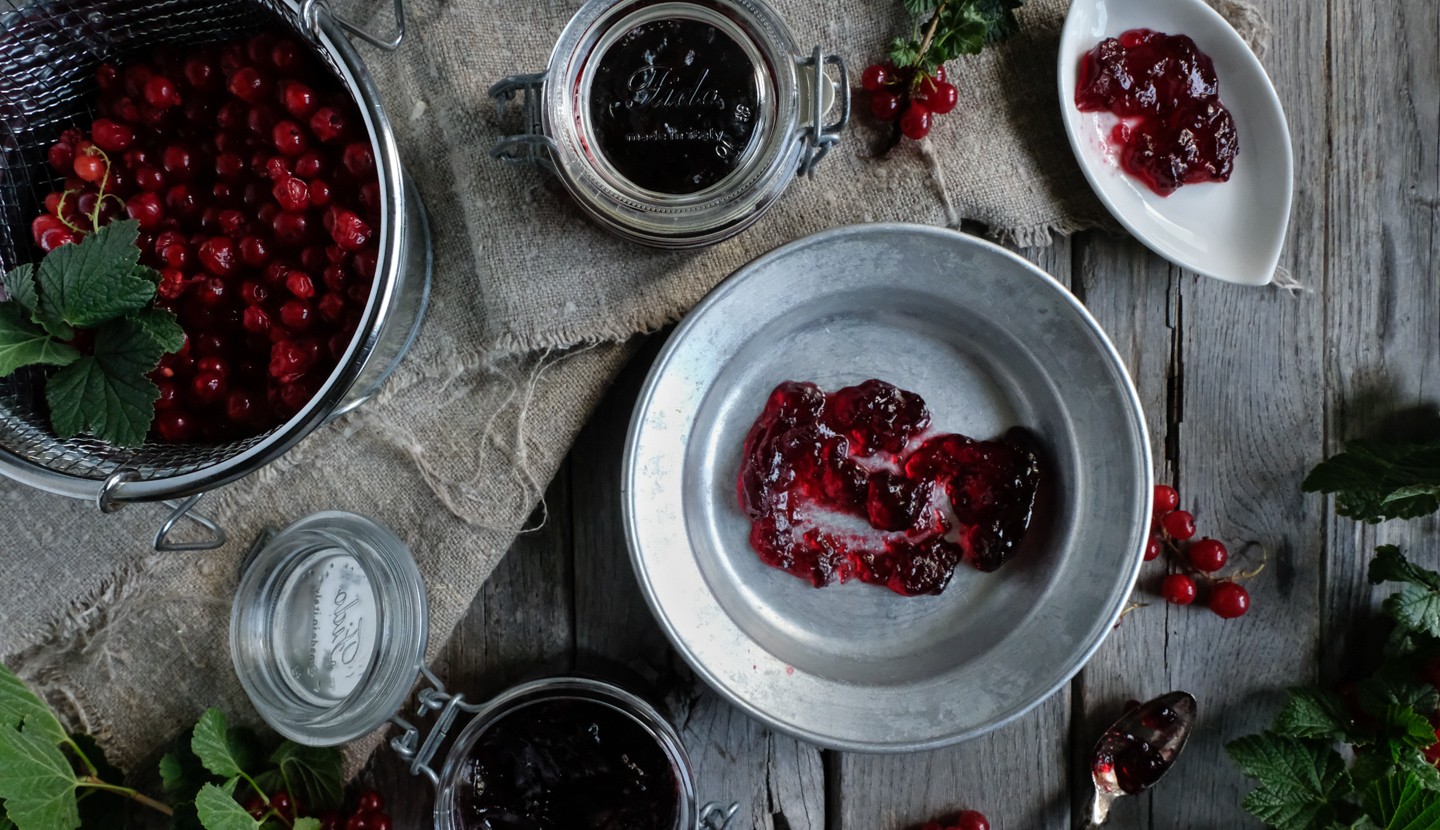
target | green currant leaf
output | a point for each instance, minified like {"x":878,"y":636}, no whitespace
{"x":36,"y":781}
{"x":1402,"y":803}
{"x":162,"y":327}
{"x":307,"y":824}
{"x":220,"y":749}
{"x":20,"y":286}
{"x":5,"y":822}
{"x":108,"y":395}
{"x":181,"y":774}
{"x":1373,"y":481}
{"x":315,"y":774}
{"x":18,"y":704}
{"x":1311,"y":713}
{"x":1395,"y":685}
{"x":1300,"y":781}
{"x":23,"y":343}
{"x":97,"y":279}
{"x":218,"y":809}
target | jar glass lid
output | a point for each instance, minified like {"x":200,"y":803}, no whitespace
{"x":329,"y":626}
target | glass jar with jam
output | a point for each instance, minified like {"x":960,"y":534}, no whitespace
{"x":677,"y":124}
{"x":328,"y":637}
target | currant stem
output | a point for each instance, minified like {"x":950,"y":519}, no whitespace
{"x":930,"y":34}
{"x":134,"y":795}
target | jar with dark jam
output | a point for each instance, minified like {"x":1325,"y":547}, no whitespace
{"x":677,"y":124}
{"x":567,"y":763}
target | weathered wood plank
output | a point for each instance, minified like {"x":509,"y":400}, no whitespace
{"x":1383,"y":256}
{"x":1133,"y":295}
{"x":1253,"y":388}
{"x":519,"y":625}
{"x":778,"y":782}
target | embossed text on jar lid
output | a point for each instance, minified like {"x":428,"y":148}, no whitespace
{"x":329,"y":626}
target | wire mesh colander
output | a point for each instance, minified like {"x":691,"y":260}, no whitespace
{"x":49,"y":51}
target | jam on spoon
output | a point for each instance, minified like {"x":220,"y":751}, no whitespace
{"x":1173,"y":130}
{"x":566,"y":764}
{"x":814,"y":463}
{"x":1137,"y":750}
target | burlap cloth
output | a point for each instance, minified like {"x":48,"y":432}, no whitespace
{"x":531,"y":309}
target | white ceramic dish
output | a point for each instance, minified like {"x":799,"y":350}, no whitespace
{"x":1232,"y":231}
{"x":989,"y":341}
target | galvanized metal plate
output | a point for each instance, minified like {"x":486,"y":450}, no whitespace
{"x":990,"y":342}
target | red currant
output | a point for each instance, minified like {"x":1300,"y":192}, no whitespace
{"x":971,"y":820}
{"x":146,"y":209}
{"x":349,"y":231}
{"x":174,"y":426}
{"x":300,"y":100}
{"x":1166,"y":500}
{"x":297,"y":315}
{"x":885,"y":105}
{"x":1178,"y":589}
{"x":328,"y":124}
{"x":915,"y":122}
{"x":379,"y":821}
{"x":291,"y":193}
{"x":1179,"y":524}
{"x":107,"y":77}
{"x":160,"y":92}
{"x":218,"y":256}
{"x":255,"y":807}
{"x":371,"y":802}
{"x":1229,"y":600}
{"x":62,"y":157}
{"x":201,"y":72}
{"x":942,"y":98}
{"x":255,"y":320}
{"x":358,"y":159}
{"x":874,"y":78}
{"x":54,"y":238}
{"x":290,"y":228}
{"x":90,"y":166}
{"x":1154,"y":548}
{"x":111,"y":136}
{"x":289,"y":138}
{"x":249,"y":85}
{"x":1208,"y":555}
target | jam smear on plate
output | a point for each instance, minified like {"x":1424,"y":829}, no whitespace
{"x":1173,"y":129}
{"x":924,"y":501}
{"x":567,"y":764}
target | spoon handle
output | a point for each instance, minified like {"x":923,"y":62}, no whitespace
{"x":1097,"y":811}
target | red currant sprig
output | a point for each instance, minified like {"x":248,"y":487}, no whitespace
{"x":910,"y":95}
{"x":968,"y":820}
{"x":1206,"y":556}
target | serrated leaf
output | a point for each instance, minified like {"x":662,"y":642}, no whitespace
{"x":23,"y":343}
{"x":214,"y":744}
{"x":5,"y":822}
{"x":1401,"y":803}
{"x":108,"y":395}
{"x":95,"y":280}
{"x":1416,"y":608}
{"x":20,"y":286}
{"x":314,"y":773}
{"x":162,"y":327}
{"x":1404,"y":727}
{"x":1299,"y":780}
{"x":1390,"y":565}
{"x":181,"y":774}
{"x":18,"y":704}
{"x":1373,"y":481}
{"x":36,"y":782}
{"x":218,"y":810}
{"x":1312,"y":713}
{"x":1395,"y":685}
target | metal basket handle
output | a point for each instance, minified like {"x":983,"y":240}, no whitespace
{"x":310,"y":14}
{"x":109,"y":502}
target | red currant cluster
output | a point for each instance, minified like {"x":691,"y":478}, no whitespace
{"x":910,"y":95}
{"x":369,"y":814}
{"x":968,"y":820}
{"x":1174,"y":527}
{"x":252,"y":178}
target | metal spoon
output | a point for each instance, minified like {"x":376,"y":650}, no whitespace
{"x":1137,"y":750}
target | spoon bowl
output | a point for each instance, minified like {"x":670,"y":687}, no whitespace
{"x":1138,"y":749}
{"x":1232,"y":231}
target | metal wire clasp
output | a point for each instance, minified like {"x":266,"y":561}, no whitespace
{"x":531,"y":146}
{"x":820,"y":137}
{"x":716,"y":816}
{"x":310,"y":14}
{"x":420,"y":751}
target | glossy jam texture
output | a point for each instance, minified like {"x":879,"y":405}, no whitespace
{"x":564,"y":765}
{"x":927,"y":501}
{"x":1174,"y":130}
{"x":674,"y":105}
{"x":1136,"y":762}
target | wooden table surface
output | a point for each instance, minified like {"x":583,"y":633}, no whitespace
{"x":1244,"y":391}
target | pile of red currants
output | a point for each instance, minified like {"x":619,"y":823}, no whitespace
{"x":910,"y":95}
{"x":1175,"y":527}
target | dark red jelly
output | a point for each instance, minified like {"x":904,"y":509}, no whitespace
{"x":1138,"y":763}
{"x":567,"y":764}
{"x":926,"y":501}
{"x":675,"y":104}
{"x":1173,"y":130}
